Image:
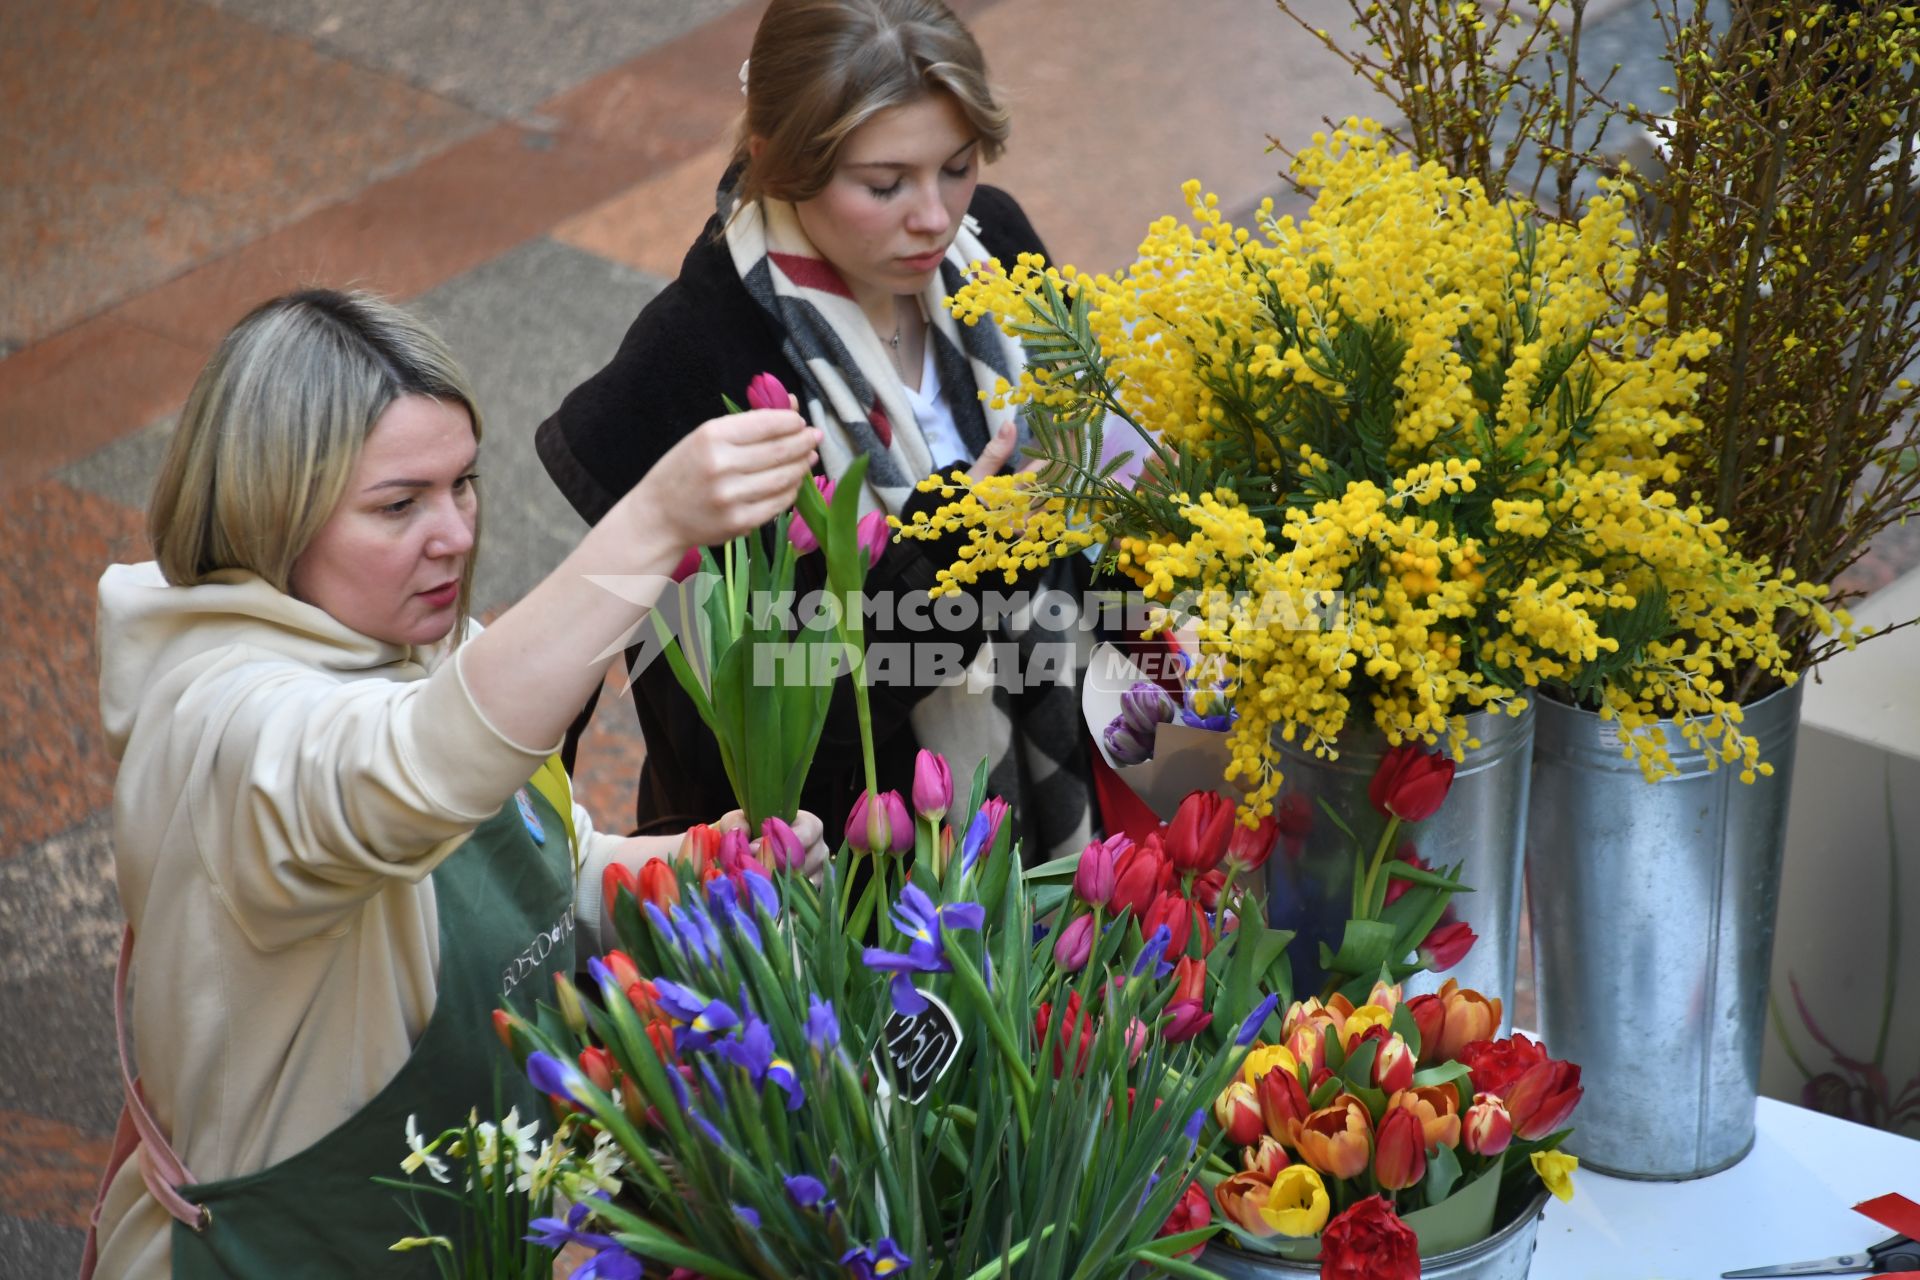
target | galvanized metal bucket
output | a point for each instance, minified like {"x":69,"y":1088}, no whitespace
{"x":1652,"y":908}
{"x":1482,"y":826}
{"x":1507,"y":1254}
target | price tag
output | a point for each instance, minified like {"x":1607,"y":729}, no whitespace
{"x":919,"y":1047}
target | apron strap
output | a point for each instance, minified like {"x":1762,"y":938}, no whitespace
{"x":160,"y":1168}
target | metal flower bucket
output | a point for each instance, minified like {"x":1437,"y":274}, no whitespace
{"x":1507,"y":1254}
{"x":1482,"y":826}
{"x":1653,"y":909}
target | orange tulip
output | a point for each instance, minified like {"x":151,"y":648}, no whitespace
{"x":1400,"y":1151}
{"x":1240,"y":1198}
{"x":1437,"y":1108}
{"x":625,"y":971}
{"x":701,"y":846}
{"x":1470,"y":1016}
{"x":1338,"y":1139}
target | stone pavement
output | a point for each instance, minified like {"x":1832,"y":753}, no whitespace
{"x":524,"y":175}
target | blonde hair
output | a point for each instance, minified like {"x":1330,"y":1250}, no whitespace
{"x":822,"y":68}
{"x":275,"y":423}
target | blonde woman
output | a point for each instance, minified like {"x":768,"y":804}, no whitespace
{"x":849,"y":215}
{"x":340,"y":835}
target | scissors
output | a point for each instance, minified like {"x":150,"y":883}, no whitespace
{"x":1899,"y":1253}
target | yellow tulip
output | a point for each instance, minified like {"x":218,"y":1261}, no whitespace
{"x":1264,"y":1058}
{"x":1556,"y":1170}
{"x":1297,"y":1205}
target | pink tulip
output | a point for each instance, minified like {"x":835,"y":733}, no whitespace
{"x":1185,"y":1020}
{"x":1074,"y":945}
{"x":1093,"y":877}
{"x":766,"y":392}
{"x":932,"y":786}
{"x":799,"y":533}
{"x":688,"y":566}
{"x":873,"y":536}
{"x":1447,"y":946}
{"x":882,"y":825}
{"x":781,"y":846}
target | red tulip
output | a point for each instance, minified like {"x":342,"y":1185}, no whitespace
{"x":1136,"y":879}
{"x":1496,"y":1064}
{"x":1073,"y":1026}
{"x":597,"y":1065}
{"x":1400,"y":1151}
{"x":1190,"y":1212}
{"x":701,"y":847}
{"x":1237,"y":1111}
{"x":625,"y":971}
{"x":767,"y":392}
{"x":1264,"y":1157}
{"x":1447,"y":945}
{"x":1369,"y":1242}
{"x":1190,"y":979}
{"x":1197,"y":837}
{"x":503,"y":1027}
{"x":1176,"y":913}
{"x":1249,"y":847}
{"x":1410,"y":855}
{"x":1392,"y":1063}
{"x":658,"y":884}
{"x":1284,"y":1106}
{"x":616,"y":877}
{"x":1411,"y":782}
{"x":1428,"y":1017}
{"x":1541,"y":1100}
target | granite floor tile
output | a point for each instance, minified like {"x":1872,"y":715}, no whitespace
{"x":54,"y":769}
{"x":529,"y":327}
{"x":64,"y":398}
{"x":144,"y":136}
{"x":123,"y":472}
{"x":503,"y":57}
{"x":30,"y":1247}
{"x":651,"y":224}
{"x":60,"y":927}
{"x":402,"y":236}
{"x":49,"y":1171}
{"x":1116,"y":102}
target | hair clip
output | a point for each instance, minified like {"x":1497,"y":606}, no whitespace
{"x":743,"y":76}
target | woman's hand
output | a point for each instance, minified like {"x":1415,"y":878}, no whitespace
{"x":730,"y":476}
{"x":994,"y":457}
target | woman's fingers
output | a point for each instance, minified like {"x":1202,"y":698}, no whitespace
{"x":994,"y":457}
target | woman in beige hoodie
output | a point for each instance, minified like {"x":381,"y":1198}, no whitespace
{"x":339,"y":833}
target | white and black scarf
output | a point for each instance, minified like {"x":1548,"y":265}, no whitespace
{"x":853,"y":393}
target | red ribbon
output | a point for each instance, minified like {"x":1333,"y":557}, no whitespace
{"x":1896,"y":1213}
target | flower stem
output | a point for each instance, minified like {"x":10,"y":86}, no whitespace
{"x":1002,"y":1034}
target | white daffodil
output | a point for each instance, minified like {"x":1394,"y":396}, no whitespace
{"x":423,"y":1153}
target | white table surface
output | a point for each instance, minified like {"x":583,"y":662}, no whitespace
{"x":1791,"y":1199}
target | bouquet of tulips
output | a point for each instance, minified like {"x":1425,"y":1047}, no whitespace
{"x":956,"y":1094}
{"x":1370,"y":1136}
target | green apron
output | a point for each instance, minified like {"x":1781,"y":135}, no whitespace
{"x":505,"y":901}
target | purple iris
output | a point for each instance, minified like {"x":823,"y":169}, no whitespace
{"x":921,"y":922}
{"x":723,"y":898}
{"x":1251,"y":1027}
{"x":1154,"y":953}
{"x":876,"y":1261}
{"x":705,"y":1020}
{"x":823,"y":1028}
{"x":558,"y":1077}
{"x":694,"y":942}
{"x":808,"y":1192}
{"x":761,"y":890}
{"x":609,"y":1262}
{"x":752,"y":1051}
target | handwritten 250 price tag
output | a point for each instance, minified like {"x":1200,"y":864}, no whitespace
{"x":918,"y":1048}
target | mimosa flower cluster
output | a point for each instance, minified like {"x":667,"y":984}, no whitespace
{"x":1419,"y":413}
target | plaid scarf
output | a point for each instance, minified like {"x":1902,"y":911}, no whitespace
{"x":1032,"y":735}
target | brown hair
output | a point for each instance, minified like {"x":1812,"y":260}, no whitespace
{"x":822,"y":68}
{"x":274,"y":425}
